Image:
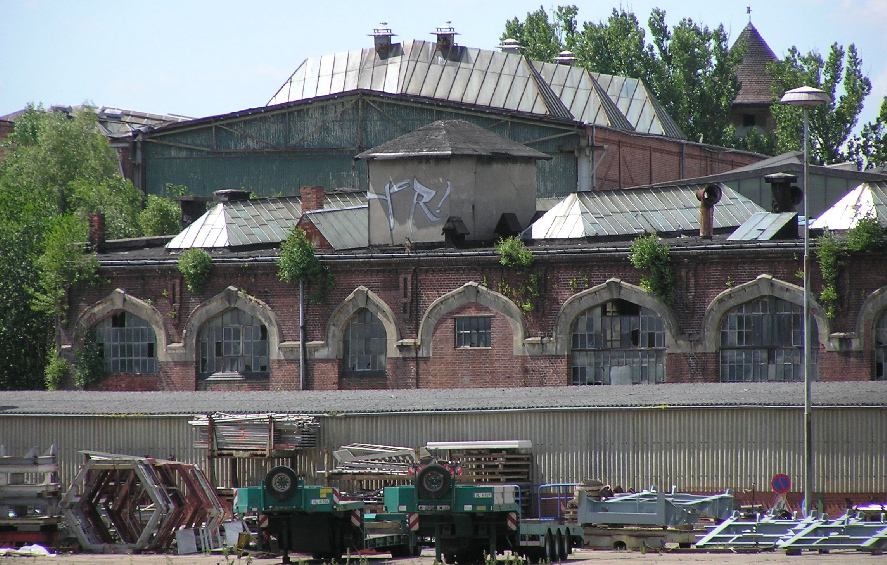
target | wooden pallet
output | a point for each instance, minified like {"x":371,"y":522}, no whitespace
{"x":494,"y":466}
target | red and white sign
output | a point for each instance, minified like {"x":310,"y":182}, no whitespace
{"x":413,"y":521}
{"x":512,"y":520}
{"x":356,"y":518}
{"x":263,"y":520}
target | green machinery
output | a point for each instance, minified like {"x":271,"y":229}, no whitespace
{"x":465,"y":523}
{"x":313,"y":519}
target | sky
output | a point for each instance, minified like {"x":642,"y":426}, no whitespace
{"x":201,"y":58}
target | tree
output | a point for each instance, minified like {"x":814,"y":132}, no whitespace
{"x":59,"y":168}
{"x":830,"y":125}
{"x":689,"y":68}
{"x":869,"y":149}
{"x":298,"y":263}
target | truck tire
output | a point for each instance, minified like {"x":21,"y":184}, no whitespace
{"x":433,"y":482}
{"x":281,"y":482}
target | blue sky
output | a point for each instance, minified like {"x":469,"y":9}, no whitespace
{"x":201,"y":58}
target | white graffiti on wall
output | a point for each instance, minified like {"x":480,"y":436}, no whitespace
{"x":422,"y":198}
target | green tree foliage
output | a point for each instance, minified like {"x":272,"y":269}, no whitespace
{"x":195,"y":264}
{"x":840,"y":76}
{"x":688,"y":67}
{"x":869,"y":149}
{"x":58,"y":169}
{"x":298,"y":262}
{"x":161,"y":216}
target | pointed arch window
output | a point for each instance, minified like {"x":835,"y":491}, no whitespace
{"x":127,"y":343}
{"x":618,"y":342}
{"x":762,"y":340}
{"x":234,"y":343}
{"x":365,"y":346}
{"x":881,"y":348}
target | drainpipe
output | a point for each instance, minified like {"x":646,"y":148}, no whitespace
{"x":302,"y":346}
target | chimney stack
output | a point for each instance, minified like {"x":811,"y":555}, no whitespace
{"x":97,"y":232}
{"x":382,"y":40}
{"x":708,"y":197}
{"x":446,"y":38}
{"x":313,"y":198}
{"x":786,"y":194}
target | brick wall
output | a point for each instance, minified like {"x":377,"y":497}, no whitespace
{"x":409,"y":286}
{"x":634,"y":160}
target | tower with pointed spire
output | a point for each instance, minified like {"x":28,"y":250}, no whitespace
{"x":751,"y":107}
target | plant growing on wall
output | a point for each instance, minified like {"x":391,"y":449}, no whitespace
{"x":297,"y":262}
{"x":195,"y":265}
{"x":89,"y":366}
{"x":647,"y":252}
{"x":866,"y":236}
{"x":513,"y":253}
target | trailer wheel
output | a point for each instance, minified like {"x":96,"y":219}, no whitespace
{"x":550,"y":549}
{"x":561,"y":547}
{"x":433,"y":482}
{"x":281,"y":482}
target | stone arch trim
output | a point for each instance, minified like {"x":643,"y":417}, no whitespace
{"x":116,"y":301}
{"x":764,"y":285}
{"x":229,"y":299}
{"x":360,"y":298}
{"x":466,"y":294}
{"x":611,"y":290}
{"x":871,"y":310}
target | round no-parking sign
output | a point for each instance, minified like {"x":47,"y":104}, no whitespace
{"x":781,"y":483}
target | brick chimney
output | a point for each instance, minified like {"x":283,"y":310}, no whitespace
{"x":97,"y":232}
{"x":313,"y":198}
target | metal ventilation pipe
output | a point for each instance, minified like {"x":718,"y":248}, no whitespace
{"x":708,"y":197}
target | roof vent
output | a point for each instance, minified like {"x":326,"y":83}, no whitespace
{"x":508,"y":225}
{"x":230,"y":195}
{"x":510,"y":45}
{"x":382,"y":39}
{"x":786,"y":194}
{"x":454,"y":231}
{"x":446,"y":38}
{"x":565,"y":58}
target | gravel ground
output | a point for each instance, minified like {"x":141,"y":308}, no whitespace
{"x":579,"y":557}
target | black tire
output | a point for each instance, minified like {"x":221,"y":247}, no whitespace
{"x":550,"y":549}
{"x":433,"y":482}
{"x":561,"y":547}
{"x":281,"y":482}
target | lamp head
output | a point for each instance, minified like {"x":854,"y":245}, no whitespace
{"x":805,"y":97}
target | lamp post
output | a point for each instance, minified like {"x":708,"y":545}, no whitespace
{"x":806,"y":97}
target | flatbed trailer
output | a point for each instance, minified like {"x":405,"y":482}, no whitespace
{"x":314,"y":520}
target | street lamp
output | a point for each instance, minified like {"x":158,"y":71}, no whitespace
{"x":806,"y":97}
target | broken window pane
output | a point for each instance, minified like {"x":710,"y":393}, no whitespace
{"x":127,"y":344}
{"x":234,"y":342}
{"x":762,"y":340}
{"x":618,"y":342}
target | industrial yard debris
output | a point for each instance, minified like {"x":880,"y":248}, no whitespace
{"x":263,"y":435}
{"x":122,"y":503}
{"x":29,"y":497}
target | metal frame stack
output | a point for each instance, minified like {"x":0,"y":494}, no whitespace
{"x":29,"y":497}
{"x":123,"y":503}
{"x":254,"y":435}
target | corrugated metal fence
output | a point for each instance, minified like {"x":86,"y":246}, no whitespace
{"x":695,"y":449}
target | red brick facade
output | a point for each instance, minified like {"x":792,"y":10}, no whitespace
{"x":531,"y":315}
{"x":630,"y":160}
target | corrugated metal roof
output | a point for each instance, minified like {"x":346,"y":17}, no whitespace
{"x":343,"y":228}
{"x":672,"y":209}
{"x":869,"y":198}
{"x":488,"y":78}
{"x":256,"y":221}
{"x":763,"y":226}
{"x":638,"y":105}
{"x":714,"y":395}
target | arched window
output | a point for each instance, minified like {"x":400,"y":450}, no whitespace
{"x":618,"y":342}
{"x":881,"y":348}
{"x":233,"y":342}
{"x":127,"y":344}
{"x":761,"y":340}
{"x":365,"y":347}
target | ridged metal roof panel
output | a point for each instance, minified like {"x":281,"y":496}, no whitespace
{"x":343,"y":228}
{"x":868,"y":198}
{"x":673,"y":209}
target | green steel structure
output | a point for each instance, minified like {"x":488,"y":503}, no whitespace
{"x":274,"y":150}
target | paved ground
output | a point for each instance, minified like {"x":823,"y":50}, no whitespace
{"x":579,"y":557}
